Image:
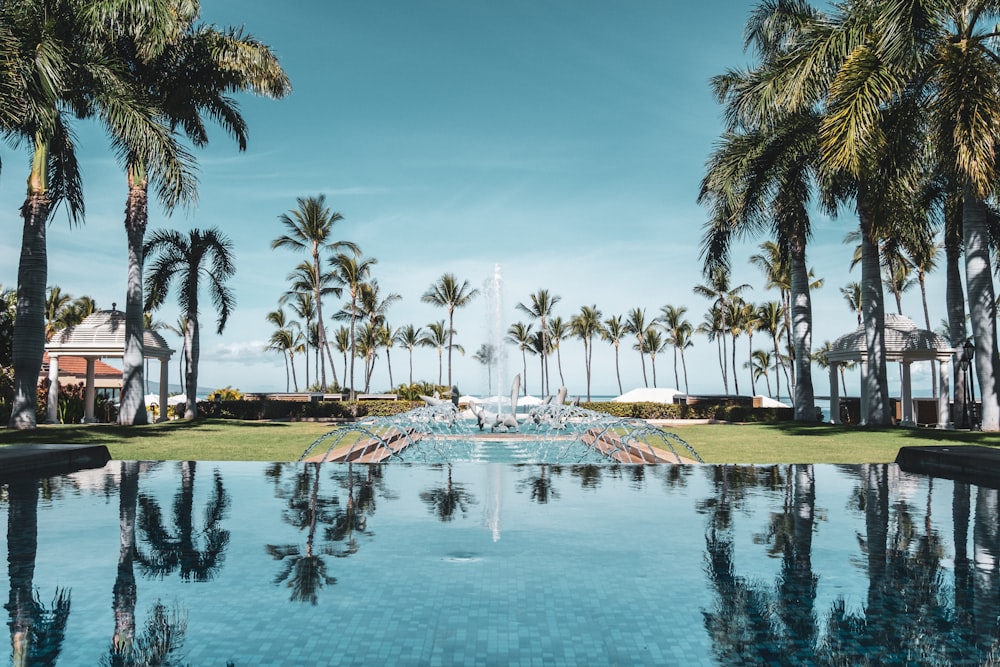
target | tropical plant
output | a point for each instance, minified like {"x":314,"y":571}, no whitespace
{"x":449,"y":294}
{"x":437,"y":336}
{"x":652,"y":342}
{"x":852,"y":295}
{"x":350,"y":272}
{"x":542,"y":303}
{"x":614,"y":331}
{"x":558,"y":332}
{"x":487,"y":356}
{"x":585,"y":325}
{"x":309,"y":227}
{"x":672,"y":321}
{"x":720,"y":291}
{"x":187,"y":71}
{"x":760,"y":364}
{"x":409,"y":337}
{"x":304,"y":305}
{"x":287,"y":339}
{"x":202,"y":254}
{"x":520,"y":334}
{"x":636,"y":325}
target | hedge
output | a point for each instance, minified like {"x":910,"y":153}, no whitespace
{"x":347,"y":410}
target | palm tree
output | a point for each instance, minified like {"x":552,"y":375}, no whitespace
{"x":760,"y":365}
{"x":614,"y":331}
{"x":585,"y":325}
{"x":852,"y":295}
{"x":637,"y":326}
{"x":185,"y":259}
{"x":285,"y":340}
{"x":672,"y":320}
{"x":304,"y":305}
{"x":540,"y":309}
{"x":342,"y":341}
{"x":351,"y":272}
{"x":520,"y":334}
{"x":409,"y":337}
{"x":558,"y":331}
{"x":55,"y":303}
{"x":721,"y":292}
{"x":448,"y":293}
{"x":47,"y":46}
{"x":188,"y":72}
{"x":681,"y":340}
{"x":653,"y":342}
{"x":438,"y":337}
{"x":770,"y":318}
{"x":486,"y":355}
{"x":386,"y":338}
{"x":711,"y":327}
{"x":309,"y":227}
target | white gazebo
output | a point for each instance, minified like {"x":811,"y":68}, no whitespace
{"x":904,"y":343}
{"x":101,"y":335}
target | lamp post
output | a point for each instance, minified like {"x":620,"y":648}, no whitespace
{"x":969,"y":416}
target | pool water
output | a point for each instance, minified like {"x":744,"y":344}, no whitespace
{"x":487,"y":563}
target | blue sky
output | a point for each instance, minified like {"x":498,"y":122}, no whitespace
{"x":561,"y":140}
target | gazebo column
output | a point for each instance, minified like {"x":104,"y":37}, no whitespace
{"x":162,"y":416}
{"x":53,"y":412}
{"x":834,"y":393}
{"x":90,"y":394}
{"x":944,"y":409}
{"x":907,"y":394}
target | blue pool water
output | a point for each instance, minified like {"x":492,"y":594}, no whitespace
{"x":480,"y":564}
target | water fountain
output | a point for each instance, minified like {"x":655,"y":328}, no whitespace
{"x":550,"y":433}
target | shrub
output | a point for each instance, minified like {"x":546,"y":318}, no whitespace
{"x":227,"y":393}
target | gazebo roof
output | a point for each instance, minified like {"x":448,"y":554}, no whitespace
{"x":903,"y":340}
{"x":102,"y":334}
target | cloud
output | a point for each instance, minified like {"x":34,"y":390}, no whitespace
{"x":251,"y":351}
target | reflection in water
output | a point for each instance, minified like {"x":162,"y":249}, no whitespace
{"x":443,"y":501}
{"x":784,"y":564}
{"x":169,"y":551}
{"x":36,"y":633}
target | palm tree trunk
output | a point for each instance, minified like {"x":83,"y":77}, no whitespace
{"x":753,"y":381}
{"x":29,"y":327}
{"x":677,"y":381}
{"x":587,"y":360}
{"x":191,"y":353}
{"x":685,"y":368}
{"x":652,"y":363}
{"x":875,"y":392}
{"x":955,"y":301}
{"x":804,"y":401}
{"x":288,"y":378}
{"x":524,"y":371}
{"x":291,"y":364}
{"x":451,"y":330}
{"x":133,"y":405}
{"x":982,"y":306}
{"x":562,"y":380}
{"x":124,"y":591}
{"x":411,"y":365}
{"x":388,"y":363}
{"x":778,"y":366}
{"x":642,"y":358}
{"x":922,"y":279}
{"x":320,"y":328}
{"x":736,"y":378}
{"x":618,"y":371}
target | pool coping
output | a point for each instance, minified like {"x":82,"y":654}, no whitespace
{"x":50,"y":459}
{"x":973,"y":464}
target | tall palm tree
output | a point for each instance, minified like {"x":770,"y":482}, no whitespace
{"x":188,"y":71}
{"x":342,"y":341}
{"x":409,"y":337}
{"x":852,"y":295}
{"x":203,"y":254}
{"x":542,"y":303}
{"x":287,"y":340}
{"x":487,"y":355}
{"x":711,"y":327}
{"x":350,"y":272}
{"x":304,"y":305}
{"x":449,"y":294}
{"x":652,"y":342}
{"x":309,"y":227}
{"x":438,"y":337}
{"x":55,"y":303}
{"x":770,"y":317}
{"x":585,"y":325}
{"x":681,"y":340}
{"x":760,"y":364}
{"x":558,"y":331}
{"x":520,"y":334}
{"x":720,"y":291}
{"x":636,"y":325}
{"x":614,"y":331}
{"x":50,"y":51}
{"x":672,"y":321}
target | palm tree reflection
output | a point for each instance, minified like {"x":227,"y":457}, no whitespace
{"x":445,"y":501}
{"x":177,"y":551}
{"x":541,"y":484}
{"x":36,"y":633}
{"x":305,"y":568}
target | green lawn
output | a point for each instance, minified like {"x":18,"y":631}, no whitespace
{"x":227,"y":440}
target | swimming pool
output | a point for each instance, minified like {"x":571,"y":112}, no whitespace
{"x":475,"y":563}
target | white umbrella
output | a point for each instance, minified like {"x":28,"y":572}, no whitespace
{"x":179,"y":398}
{"x":151,"y":399}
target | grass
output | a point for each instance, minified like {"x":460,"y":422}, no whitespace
{"x":231,"y":440}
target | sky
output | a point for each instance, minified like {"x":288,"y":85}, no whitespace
{"x":558,"y":143}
